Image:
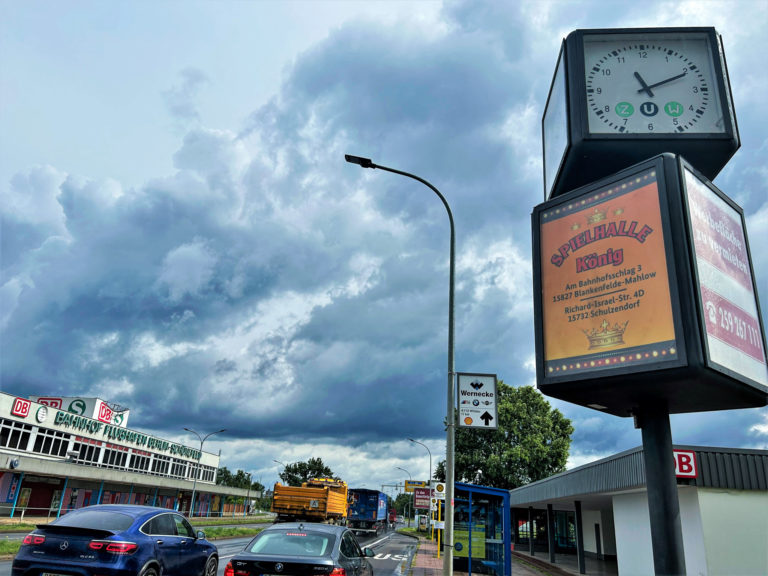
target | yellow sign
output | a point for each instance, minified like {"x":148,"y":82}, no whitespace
{"x":411,"y":484}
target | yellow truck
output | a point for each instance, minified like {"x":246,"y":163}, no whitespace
{"x":319,"y":500}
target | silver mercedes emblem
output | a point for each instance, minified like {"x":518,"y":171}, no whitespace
{"x":279,"y":567}
{"x":64,"y":545}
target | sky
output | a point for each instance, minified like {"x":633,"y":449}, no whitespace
{"x":182,"y":236}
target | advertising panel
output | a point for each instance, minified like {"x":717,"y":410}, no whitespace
{"x":605,"y":287}
{"x":734,"y":336}
{"x":421,"y":498}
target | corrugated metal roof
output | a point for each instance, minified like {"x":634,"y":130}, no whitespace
{"x":730,"y":468}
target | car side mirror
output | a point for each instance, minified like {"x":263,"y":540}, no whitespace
{"x":369,"y":553}
{"x":200,"y":535}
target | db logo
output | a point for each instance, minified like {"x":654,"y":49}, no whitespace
{"x":50,"y":402}
{"x":105,"y":413}
{"x":21,"y":407}
{"x":685,"y":464}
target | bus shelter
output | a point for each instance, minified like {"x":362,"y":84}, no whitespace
{"x":482,"y":530}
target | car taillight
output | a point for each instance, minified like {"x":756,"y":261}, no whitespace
{"x":229,"y":570}
{"x":33,"y":539}
{"x":122,"y":548}
{"x":339,"y":572}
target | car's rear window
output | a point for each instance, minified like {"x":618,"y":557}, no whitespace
{"x":96,"y":519}
{"x":293,"y":543}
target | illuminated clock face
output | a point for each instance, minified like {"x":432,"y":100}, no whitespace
{"x":651,"y":84}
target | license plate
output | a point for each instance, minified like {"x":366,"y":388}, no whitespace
{"x":51,"y":574}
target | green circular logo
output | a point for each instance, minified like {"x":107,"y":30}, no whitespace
{"x":673,"y":109}
{"x":624,"y":109}
{"x":77,"y":407}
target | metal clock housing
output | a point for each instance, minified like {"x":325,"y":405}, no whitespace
{"x":621,"y":96}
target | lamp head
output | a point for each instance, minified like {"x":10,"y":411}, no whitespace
{"x":360,"y":161}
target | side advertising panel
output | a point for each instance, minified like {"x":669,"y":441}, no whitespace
{"x":734,"y":338}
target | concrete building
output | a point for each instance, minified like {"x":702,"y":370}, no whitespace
{"x":53,"y":460}
{"x":599,"y":512}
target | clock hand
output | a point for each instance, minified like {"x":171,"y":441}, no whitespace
{"x":645,"y":88}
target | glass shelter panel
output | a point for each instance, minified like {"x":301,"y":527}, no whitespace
{"x":481,"y":530}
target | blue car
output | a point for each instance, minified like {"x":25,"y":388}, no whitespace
{"x":117,"y":540}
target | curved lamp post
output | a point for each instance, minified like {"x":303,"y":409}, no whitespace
{"x":450,"y":419}
{"x":428,"y":452}
{"x":197,"y":472}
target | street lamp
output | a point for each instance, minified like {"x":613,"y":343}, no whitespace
{"x":450,"y":419}
{"x":409,"y":502}
{"x":197,"y":472}
{"x":430,"y":456}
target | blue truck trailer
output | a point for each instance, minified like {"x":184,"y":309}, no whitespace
{"x":367,"y":512}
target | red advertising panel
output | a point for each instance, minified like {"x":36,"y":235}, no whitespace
{"x":729,"y":305}
{"x":605,"y":289}
{"x":421,"y":498}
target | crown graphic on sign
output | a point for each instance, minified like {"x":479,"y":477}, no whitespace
{"x":596,"y":216}
{"x":606,"y":335}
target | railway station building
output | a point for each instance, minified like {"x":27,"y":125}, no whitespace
{"x":594,"y":519}
{"x":58,"y":454}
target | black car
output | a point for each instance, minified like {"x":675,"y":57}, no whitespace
{"x":119,"y":540}
{"x":294,"y":549}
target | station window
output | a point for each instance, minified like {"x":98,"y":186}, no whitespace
{"x":139,"y":463}
{"x":161,"y":465}
{"x":14,"y":434}
{"x":51,"y":442}
{"x":114,"y":458}
{"x":87,"y":451}
{"x":178,"y":468}
{"x":208,"y":473}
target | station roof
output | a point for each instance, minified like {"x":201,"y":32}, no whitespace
{"x":596,"y":482}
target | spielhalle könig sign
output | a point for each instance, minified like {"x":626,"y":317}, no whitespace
{"x":645,"y":295}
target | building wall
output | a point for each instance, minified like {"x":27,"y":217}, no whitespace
{"x":693,"y":536}
{"x":609,"y":533}
{"x":633,"y":534}
{"x":588,"y":520}
{"x":724,"y":532}
{"x":735,"y":530}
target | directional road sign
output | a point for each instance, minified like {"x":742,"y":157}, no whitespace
{"x":477,"y":401}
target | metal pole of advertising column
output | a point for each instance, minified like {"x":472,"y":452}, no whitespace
{"x":663,"y":502}
{"x":197,"y":471}
{"x":450,"y":417}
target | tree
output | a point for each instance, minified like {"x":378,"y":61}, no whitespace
{"x":299,"y":472}
{"x":238,"y":480}
{"x":531,"y":442}
{"x":403,"y":503}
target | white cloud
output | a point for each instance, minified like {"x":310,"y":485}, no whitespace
{"x":188,"y":269}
